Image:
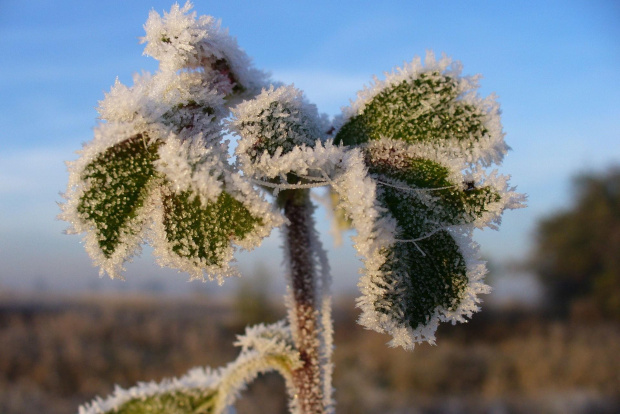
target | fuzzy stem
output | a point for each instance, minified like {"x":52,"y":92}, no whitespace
{"x":304,"y":312}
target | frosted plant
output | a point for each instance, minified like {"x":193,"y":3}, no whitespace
{"x":406,"y":166}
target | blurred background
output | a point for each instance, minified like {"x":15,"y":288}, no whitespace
{"x":547,"y":339}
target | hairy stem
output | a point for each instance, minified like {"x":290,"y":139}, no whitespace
{"x":304,"y":309}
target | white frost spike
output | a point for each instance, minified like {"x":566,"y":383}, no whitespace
{"x":264,"y":349}
{"x":180,"y":40}
{"x":124,"y":104}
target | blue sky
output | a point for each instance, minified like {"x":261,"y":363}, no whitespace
{"x":553,"y":64}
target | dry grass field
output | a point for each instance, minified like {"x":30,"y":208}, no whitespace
{"x":56,"y":353}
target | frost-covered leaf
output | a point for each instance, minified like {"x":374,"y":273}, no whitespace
{"x":179,"y":194}
{"x":425,"y":137}
{"x":425,"y":275}
{"x":110,"y":193}
{"x":420,"y":268}
{"x":274,"y":339}
{"x":202,"y":235}
{"x":420,"y":109}
{"x":272,"y":125}
{"x":194,"y":401}
{"x":205,"y":391}
{"x":427,"y":103}
{"x":420,"y":192}
{"x":118,"y":183}
{"x":421,"y":279}
{"x":205,"y":210}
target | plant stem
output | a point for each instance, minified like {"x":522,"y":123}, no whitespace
{"x":304,"y":311}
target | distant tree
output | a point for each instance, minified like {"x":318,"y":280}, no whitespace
{"x":578,"y":250}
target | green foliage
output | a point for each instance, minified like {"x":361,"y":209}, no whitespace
{"x":421,"y":110}
{"x":118,"y":185}
{"x":423,"y":277}
{"x":445,"y":202}
{"x":200,"y":233}
{"x":401,"y":181}
{"x":190,"y":401}
{"x":429,"y":271}
{"x":425,"y":273}
{"x":578,"y":250}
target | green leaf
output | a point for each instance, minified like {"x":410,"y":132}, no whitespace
{"x":419,"y":130}
{"x":419,"y":278}
{"x":432,"y":197}
{"x":425,"y":273}
{"x":118,"y":183}
{"x":193,"y":401}
{"x":202,"y":234}
{"x":277,"y":121}
{"x":424,"y":109}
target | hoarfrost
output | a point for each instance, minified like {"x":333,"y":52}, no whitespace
{"x":263,"y":349}
{"x":179,"y":40}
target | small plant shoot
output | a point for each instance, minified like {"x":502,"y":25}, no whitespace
{"x":406,"y":166}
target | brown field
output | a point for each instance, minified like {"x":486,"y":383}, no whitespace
{"x":56,"y":353}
